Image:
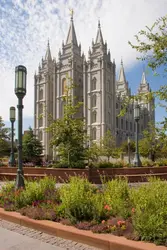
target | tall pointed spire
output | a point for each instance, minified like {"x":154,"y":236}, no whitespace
{"x":122,"y":77}
{"x":143,"y":79}
{"x":99,"y":37}
{"x":71,"y":37}
{"x":48,"y":53}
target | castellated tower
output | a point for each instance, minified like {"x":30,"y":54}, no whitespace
{"x":96,"y":87}
{"x":99,"y":89}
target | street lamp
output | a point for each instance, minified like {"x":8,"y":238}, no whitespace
{"x":20,"y":91}
{"x":12,"y":119}
{"x":137,"y":161}
{"x":129,"y":150}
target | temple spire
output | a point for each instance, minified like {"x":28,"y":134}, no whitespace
{"x":122,"y":77}
{"x":143,"y":79}
{"x":48,"y":53}
{"x":71,"y":37}
{"x":99,"y":37}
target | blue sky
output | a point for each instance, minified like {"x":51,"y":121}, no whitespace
{"x":26,"y":26}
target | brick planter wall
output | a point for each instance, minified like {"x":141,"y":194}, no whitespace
{"x":93,"y":175}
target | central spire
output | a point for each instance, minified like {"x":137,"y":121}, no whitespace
{"x":122,"y":77}
{"x":143,"y":79}
{"x":71,"y":37}
{"x":99,"y":37}
{"x":48,"y":53}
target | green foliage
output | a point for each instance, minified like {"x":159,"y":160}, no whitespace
{"x":32,"y":147}
{"x":149,"y":203}
{"x":117,"y":164}
{"x":124,"y":146}
{"x":108,"y":146}
{"x":151,"y":143}
{"x":93,"y":152}
{"x":147,"y":163}
{"x":77,"y":199}
{"x":35,"y":191}
{"x":153,"y":40}
{"x":116,"y":193}
{"x":4,"y":139}
{"x":161,"y":162}
{"x":68,"y":133}
{"x":152,"y":44}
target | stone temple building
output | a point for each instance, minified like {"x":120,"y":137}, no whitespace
{"x":97,"y":88}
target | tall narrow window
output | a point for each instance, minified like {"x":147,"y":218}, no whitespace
{"x":94,"y":101}
{"x":126,"y":125}
{"x":40,"y":135}
{"x":122,"y":123}
{"x":64,"y":85}
{"x":40,"y":115}
{"x":109,"y":102}
{"x":109,"y":118}
{"x":94,"y":116}
{"x":94,"y":83}
{"x":40,"y":94}
{"x":117,"y":122}
{"x":94,"y":133}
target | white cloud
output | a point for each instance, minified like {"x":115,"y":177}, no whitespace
{"x":26,"y":26}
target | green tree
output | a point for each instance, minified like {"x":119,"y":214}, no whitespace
{"x":152,"y":44}
{"x":68,"y":132}
{"x":151,"y":143}
{"x":4,"y":139}
{"x":108,"y":146}
{"x":32,"y":148}
{"x":93,"y":152}
{"x":124,"y":146}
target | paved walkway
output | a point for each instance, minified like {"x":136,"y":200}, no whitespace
{"x":14,"y":241}
{"x":16,"y":237}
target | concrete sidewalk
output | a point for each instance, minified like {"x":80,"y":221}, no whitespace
{"x":13,"y":241}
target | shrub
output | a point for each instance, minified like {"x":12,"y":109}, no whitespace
{"x":150,"y":210}
{"x":77,"y":199}
{"x":161,"y":162}
{"x":7,"y":196}
{"x":116,"y":193}
{"x":118,"y":164}
{"x":39,"y":213}
{"x":147,"y":162}
{"x":44,"y":189}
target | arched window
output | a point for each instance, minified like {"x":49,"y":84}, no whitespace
{"x":94,"y":83}
{"x":122,"y":123}
{"x":40,"y":115}
{"x":108,"y":86}
{"x":94,"y":101}
{"x":40,"y":135}
{"x":94,"y":116}
{"x":109,"y":102}
{"x":94,"y":133}
{"x":41,"y":94}
{"x":64,"y":85}
{"x":109,"y":118}
{"x":127,"y":125}
{"x":117,"y":122}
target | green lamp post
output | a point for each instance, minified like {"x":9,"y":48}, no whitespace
{"x":20,"y":91}
{"x":12,"y":119}
{"x":128,"y":150}
{"x":137,"y":162}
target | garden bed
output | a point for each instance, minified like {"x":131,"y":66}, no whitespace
{"x":114,"y":209}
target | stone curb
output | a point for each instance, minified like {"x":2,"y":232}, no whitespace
{"x":102,"y":241}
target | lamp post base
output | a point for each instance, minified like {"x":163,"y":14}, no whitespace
{"x":137,"y":161}
{"x":20,"y":180}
